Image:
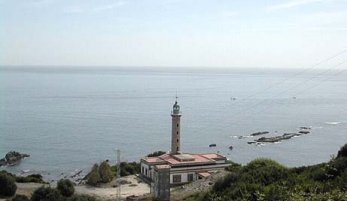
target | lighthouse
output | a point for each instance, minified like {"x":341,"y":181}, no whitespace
{"x":176,"y":131}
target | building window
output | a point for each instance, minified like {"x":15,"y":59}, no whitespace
{"x":190,"y":177}
{"x":177,"y":132}
{"x":178,"y":125}
{"x":176,"y":178}
{"x":177,"y":140}
{"x":143,"y":170}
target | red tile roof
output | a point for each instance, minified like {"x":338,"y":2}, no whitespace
{"x":172,"y":160}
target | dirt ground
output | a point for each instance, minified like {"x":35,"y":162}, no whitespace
{"x":131,"y":185}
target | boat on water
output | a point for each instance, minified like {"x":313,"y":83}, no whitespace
{"x":231,"y":147}
{"x":212,"y":145}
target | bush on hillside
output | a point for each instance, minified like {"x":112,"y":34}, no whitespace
{"x":81,"y":198}
{"x":129,"y":168}
{"x":65,"y":187}
{"x":264,"y":171}
{"x":342,"y":152}
{"x":8,"y":185}
{"x":20,"y":198}
{"x":105,"y":172}
{"x":46,"y":194}
{"x":35,"y":178}
{"x":94,"y":176}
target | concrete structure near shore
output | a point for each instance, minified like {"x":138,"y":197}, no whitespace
{"x":177,"y":167}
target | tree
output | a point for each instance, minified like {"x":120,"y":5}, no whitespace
{"x":8,"y":185}
{"x":94,"y":176}
{"x":20,"y":198}
{"x":66,"y":187}
{"x":342,"y":152}
{"x":156,"y":153}
{"x":105,"y":172}
{"x":46,"y":194}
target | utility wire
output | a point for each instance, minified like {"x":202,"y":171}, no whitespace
{"x":278,"y":83}
{"x":263,"y":110}
{"x":295,"y":86}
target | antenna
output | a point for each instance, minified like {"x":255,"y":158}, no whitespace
{"x":176,"y":96}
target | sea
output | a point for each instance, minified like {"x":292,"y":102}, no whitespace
{"x":68,"y":118}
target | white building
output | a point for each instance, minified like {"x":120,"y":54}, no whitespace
{"x":180,"y":167}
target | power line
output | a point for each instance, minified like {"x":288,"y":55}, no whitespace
{"x":295,"y":86}
{"x":278,"y":83}
{"x":252,"y":95}
{"x":263,"y":110}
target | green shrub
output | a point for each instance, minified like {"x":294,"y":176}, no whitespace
{"x":105,"y":172}
{"x":156,"y":153}
{"x":81,"y":198}
{"x":65,"y":187}
{"x":35,"y":178}
{"x":264,"y":171}
{"x":94,"y":176}
{"x":342,"y":152}
{"x":8,"y":185}
{"x":340,"y":164}
{"x":129,"y":168}
{"x":225,"y":182}
{"x":275,"y":192}
{"x":46,"y":194}
{"x":20,"y":198}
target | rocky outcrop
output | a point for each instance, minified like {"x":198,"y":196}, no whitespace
{"x":12,"y":158}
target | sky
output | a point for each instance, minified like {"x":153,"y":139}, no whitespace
{"x":172,"y":33}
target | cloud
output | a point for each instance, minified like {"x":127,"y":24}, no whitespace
{"x":109,"y":7}
{"x":39,"y":2}
{"x":73,"y":9}
{"x":294,"y":3}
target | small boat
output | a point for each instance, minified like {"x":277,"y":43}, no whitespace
{"x":231,"y":147}
{"x":305,"y":128}
{"x":304,"y":132}
{"x":212,"y":145}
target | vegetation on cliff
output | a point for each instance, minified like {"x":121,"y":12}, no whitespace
{"x":8,"y":185}
{"x":265,"y":179}
{"x":34,"y":178}
{"x":63,"y":192}
{"x":100,"y":174}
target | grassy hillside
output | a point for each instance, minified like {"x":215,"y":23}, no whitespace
{"x":265,"y":179}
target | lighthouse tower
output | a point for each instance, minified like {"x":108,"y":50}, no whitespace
{"x":176,"y":131}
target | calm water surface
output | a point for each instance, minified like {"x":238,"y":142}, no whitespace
{"x":68,"y":119}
